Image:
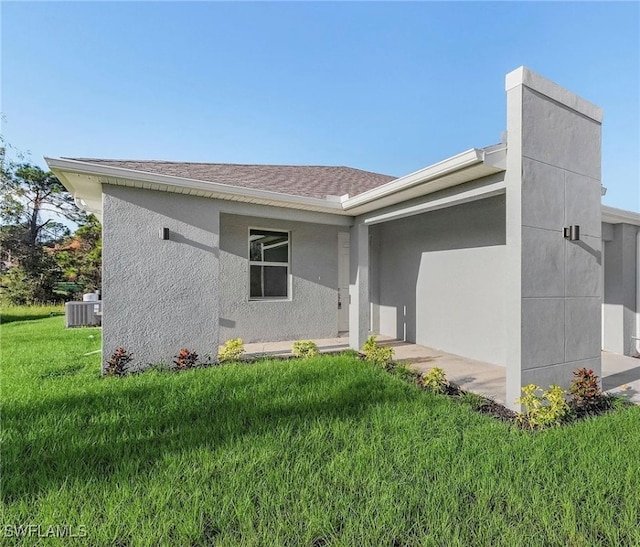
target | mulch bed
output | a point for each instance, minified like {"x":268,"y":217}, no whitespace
{"x":489,"y":407}
{"x":484,"y":405}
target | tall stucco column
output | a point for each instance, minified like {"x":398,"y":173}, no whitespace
{"x":359,"y":308}
{"x":553,"y":284}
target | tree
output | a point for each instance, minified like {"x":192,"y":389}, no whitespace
{"x":26,"y":193}
{"x":80,"y":256}
{"x":31,"y":284}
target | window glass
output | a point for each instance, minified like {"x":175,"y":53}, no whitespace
{"x":268,"y":264}
{"x":269,"y":282}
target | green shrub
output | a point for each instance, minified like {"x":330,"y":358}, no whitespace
{"x":543,"y":409}
{"x":305,"y":349}
{"x":117,"y":364}
{"x":435,"y":380}
{"x":375,"y":353}
{"x":232,"y":350}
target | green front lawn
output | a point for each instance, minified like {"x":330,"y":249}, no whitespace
{"x":325,"y":451}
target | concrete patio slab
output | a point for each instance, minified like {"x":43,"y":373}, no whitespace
{"x":283,"y":349}
{"x":620,"y":374}
{"x":471,"y":375}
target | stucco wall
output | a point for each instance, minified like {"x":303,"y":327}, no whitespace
{"x":620,"y":285}
{"x":159,"y":296}
{"x":312,"y":311}
{"x":440,"y":279}
{"x":561,"y":292}
{"x":554,"y":285}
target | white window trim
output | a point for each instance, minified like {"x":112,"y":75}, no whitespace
{"x":287,"y":264}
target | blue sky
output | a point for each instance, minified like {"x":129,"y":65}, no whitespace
{"x":387,"y":87}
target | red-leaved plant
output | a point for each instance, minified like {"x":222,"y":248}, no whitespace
{"x":186,"y":359}
{"x":117,"y":363}
{"x":585,"y":390}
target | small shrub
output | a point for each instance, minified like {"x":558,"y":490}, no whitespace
{"x":435,"y":380}
{"x":232,"y":350}
{"x":375,"y":353}
{"x":305,"y":349}
{"x":186,"y":359}
{"x":117,"y":364}
{"x":585,"y":391}
{"x":543,"y":409}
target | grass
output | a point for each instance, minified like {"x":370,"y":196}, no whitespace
{"x":328,"y":450}
{"x":10,"y":313}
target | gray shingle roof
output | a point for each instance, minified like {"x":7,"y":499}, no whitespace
{"x":299,"y":180}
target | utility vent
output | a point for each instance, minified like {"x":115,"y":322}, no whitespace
{"x":83,"y":314}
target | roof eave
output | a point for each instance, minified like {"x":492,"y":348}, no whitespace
{"x":464,"y":167}
{"x":86,"y":193}
{"x":613,"y":215}
{"x":84,"y":180}
{"x":119,"y":175}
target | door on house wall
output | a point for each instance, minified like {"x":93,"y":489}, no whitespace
{"x":343,"y":281}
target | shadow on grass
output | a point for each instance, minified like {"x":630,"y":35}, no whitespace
{"x":12,"y":318}
{"x":130,"y":428}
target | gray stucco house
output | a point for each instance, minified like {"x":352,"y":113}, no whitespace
{"x":477,"y":255}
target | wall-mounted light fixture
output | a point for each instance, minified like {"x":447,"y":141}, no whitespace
{"x":572,"y":233}
{"x":164,"y":233}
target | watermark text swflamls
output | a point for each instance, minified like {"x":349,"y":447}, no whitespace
{"x":40,"y":531}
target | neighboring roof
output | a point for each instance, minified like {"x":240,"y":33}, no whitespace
{"x":297,"y":180}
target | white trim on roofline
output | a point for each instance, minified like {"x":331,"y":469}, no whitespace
{"x":467,"y":166}
{"x":478,"y":191}
{"x":454,"y":163}
{"x":331,"y":204}
{"x":84,"y":180}
{"x":613,"y":215}
{"x":464,"y":167}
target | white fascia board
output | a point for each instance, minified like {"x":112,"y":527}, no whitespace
{"x":613,"y":215}
{"x":74,"y":166}
{"x":437,"y":170}
{"x":459,"y":169}
{"x":479,"y":191}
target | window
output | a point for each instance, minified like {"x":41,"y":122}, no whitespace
{"x":268,"y":264}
